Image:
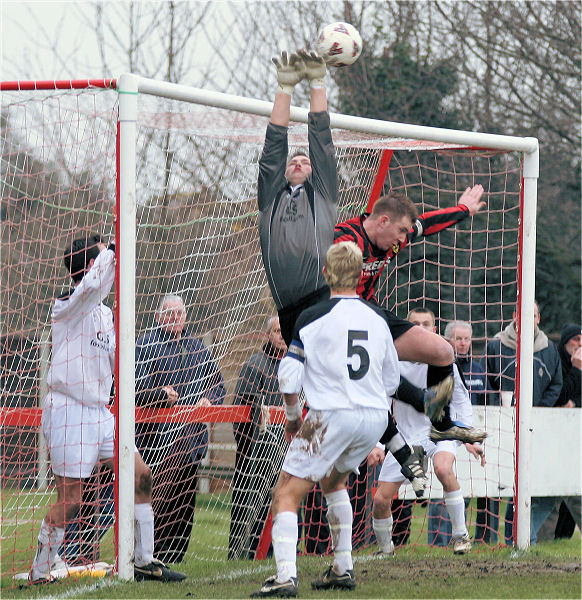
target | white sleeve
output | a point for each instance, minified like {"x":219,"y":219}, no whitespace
{"x":390,"y":368}
{"x":461,"y":409}
{"x":291,"y":373}
{"x":91,"y":291}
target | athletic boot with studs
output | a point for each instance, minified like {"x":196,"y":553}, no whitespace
{"x":157,"y":571}
{"x":458,"y":431}
{"x":388,"y":552}
{"x":462,"y":545}
{"x":437,"y":397}
{"x":272,"y":587}
{"x":331,"y":580}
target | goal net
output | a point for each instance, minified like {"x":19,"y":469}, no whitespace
{"x":197,"y":241}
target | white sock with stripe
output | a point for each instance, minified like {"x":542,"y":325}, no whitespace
{"x":284,"y":536}
{"x":455,"y":504}
{"x":143,"y":535}
{"x":340,"y":518}
{"x":383,"y":533}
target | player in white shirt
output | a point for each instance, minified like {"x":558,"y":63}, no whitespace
{"x":343,"y":356}
{"x":416,"y":427}
{"x":78,"y":427}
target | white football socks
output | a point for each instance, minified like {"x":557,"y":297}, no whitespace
{"x":455,"y":504}
{"x":383,"y":533}
{"x":49,"y":541}
{"x":340,"y":517}
{"x":143,"y":535}
{"x":284,"y":536}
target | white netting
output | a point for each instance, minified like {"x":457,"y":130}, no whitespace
{"x":197,"y":238}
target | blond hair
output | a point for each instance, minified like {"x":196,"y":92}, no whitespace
{"x":343,"y":265}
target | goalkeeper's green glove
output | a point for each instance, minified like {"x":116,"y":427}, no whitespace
{"x":290,"y":71}
{"x":315,"y":68}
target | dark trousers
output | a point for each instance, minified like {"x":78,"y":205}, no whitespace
{"x":402,"y":517}
{"x":315,"y":525}
{"x":254,"y":477}
{"x":173,"y":502}
{"x":566,"y":524}
{"x":487,"y":521}
{"x":96,"y":515}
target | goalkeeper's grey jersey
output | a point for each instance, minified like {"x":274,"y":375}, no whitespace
{"x":296,"y":228}
{"x":343,"y":355}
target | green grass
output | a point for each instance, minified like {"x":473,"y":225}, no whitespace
{"x":550,"y":570}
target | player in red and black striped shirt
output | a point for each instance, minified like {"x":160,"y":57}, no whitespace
{"x":381,"y":235}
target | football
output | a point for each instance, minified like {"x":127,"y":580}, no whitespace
{"x":340,"y":44}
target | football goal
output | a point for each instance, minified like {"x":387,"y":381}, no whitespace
{"x":170,"y":173}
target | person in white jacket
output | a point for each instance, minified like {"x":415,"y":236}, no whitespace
{"x":78,"y":426}
{"x":416,"y":428}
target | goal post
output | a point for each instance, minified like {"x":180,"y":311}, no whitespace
{"x":131,"y":85}
{"x":180,"y":165}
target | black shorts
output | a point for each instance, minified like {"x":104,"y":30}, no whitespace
{"x":288,"y":314}
{"x":397,"y":325}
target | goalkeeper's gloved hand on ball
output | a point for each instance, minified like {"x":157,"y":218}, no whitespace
{"x":290,"y":71}
{"x":315,"y":68}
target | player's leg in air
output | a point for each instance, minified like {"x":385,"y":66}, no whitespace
{"x":415,"y":342}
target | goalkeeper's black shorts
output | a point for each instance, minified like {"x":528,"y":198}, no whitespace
{"x":397,"y":325}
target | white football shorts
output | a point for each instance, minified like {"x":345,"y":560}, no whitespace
{"x":334,"y":438}
{"x":78,"y":436}
{"x":391,"y":468}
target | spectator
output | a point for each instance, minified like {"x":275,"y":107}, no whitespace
{"x":547,"y":380}
{"x":569,"y":508}
{"x":76,"y":422}
{"x":460,"y":335}
{"x":174,"y":368}
{"x":260,"y":445}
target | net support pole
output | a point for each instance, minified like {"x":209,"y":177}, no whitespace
{"x":525,"y":347}
{"x":128,"y":94}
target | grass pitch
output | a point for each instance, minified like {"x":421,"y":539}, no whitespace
{"x":549,"y":570}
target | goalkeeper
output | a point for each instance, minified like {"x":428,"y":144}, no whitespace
{"x":297,"y":201}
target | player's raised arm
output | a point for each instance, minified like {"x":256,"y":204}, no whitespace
{"x":290,"y":71}
{"x":436,"y":221}
{"x":315,"y":70}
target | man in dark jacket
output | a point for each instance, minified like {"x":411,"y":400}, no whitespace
{"x":174,"y":368}
{"x":501,"y":361}
{"x":569,"y":508}
{"x":260,"y":445}
{"x":547,"y":383}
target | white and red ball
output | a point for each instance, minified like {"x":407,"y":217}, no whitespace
{"x":340,"y":44}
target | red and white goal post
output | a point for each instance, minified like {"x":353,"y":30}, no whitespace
{"x":178,"y":166}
